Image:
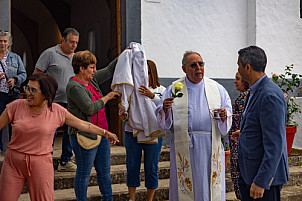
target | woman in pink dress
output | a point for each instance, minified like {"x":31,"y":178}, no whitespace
{"x":34,"y":121}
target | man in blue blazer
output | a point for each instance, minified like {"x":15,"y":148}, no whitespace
{"x":262,"y":142}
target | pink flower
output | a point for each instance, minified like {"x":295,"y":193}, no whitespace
{"x":285,"y":95}
{"x":275,"y":75}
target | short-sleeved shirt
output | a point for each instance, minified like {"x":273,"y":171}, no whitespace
{"x":57,"y":64}
{"x":33,"y":133}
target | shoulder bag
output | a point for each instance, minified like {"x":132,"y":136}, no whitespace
{"x":14,"y":91}
{"x":86,"y":142}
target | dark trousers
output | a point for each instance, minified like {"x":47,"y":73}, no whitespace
{"x":66,"y":146}
{"x":4,"y":100}
{"x":273,"y":194}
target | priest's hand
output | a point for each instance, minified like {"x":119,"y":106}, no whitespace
{"x":256,"y":191}
{"x":223,"y":114}
{"x":167,"y":104}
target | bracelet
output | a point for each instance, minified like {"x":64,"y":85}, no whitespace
{"x":105,"y":132}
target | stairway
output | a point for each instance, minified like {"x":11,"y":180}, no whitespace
{"x":64,"y":191}
{"x":63,"y":183}
{"x":292,"y":191}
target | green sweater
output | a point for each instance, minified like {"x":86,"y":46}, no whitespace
{"x":79,"y":98}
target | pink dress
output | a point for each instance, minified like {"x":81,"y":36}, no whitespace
{"x":28,"y":157}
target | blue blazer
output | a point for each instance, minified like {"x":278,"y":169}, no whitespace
{"x":262,"y":152}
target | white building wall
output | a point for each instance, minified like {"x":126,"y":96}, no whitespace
{"x":217,"y":30}
{"x":279,"y":33}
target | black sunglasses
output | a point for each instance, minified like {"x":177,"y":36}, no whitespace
{"x":196,"y":64}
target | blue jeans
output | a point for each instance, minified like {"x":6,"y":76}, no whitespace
{"x":66,"y":146}
{"x":100,"y":157}
{"x":4,"y":100}
{"x":133,"y":161}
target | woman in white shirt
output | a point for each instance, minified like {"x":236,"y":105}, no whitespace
{"x":151,"y":151}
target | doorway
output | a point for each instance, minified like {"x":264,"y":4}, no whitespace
{"x":37,"y":25}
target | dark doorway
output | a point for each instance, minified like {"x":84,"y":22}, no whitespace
{"x":38,"y":24}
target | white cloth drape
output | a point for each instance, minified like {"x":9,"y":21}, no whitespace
{"x":130,"y":73}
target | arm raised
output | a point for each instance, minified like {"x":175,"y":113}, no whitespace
{"x":88,"y":127}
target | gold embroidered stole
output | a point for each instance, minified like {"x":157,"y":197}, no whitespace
{"x":214,"y":101}
{"x":181,"y":142}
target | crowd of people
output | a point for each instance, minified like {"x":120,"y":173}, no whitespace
{"x":64,"y":91}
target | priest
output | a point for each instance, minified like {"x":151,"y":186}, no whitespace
{"x":198,"y":111}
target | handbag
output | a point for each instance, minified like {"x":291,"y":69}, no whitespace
{"x":14,"y":91}
{"x":86,"y":142}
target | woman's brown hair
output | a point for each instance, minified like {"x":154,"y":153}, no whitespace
{"x":82,"y":58}
{"x":48,"y":86}
{"x":152,"y":71}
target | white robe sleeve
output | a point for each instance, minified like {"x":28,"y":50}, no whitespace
{"x":162,"y":122}
{"x":158,"y":92}
{"x":226,"y":103}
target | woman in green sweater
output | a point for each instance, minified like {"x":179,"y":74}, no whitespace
{"x":86,"y":101}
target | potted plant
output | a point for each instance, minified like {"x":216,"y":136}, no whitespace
{"x":288,"y":82}
{"x":226,"y":150}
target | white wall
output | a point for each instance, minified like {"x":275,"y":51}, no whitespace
{"x":279,"y":33}
{"x":217,"y":30}
{"x":298,"y":118}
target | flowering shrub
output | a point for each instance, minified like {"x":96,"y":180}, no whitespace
{"x":288,"y":85}
{"x":225,"y":143}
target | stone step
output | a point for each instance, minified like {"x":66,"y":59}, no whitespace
{"x":118,"y":156}
{"x":120,"y":193}
{"x":293,"y":160}
{"x":118,"y":173}
{"x":288,"y":193}
{"x":65,"y":180}
{"x":295,"y":178}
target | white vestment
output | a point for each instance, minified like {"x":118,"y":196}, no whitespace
{"x":200,"y":145}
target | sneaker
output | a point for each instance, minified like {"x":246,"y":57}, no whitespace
{"x":68,"y":167}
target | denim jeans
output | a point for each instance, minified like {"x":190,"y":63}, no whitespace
{"x":66,"y":146}
{"x":100,"y":157}
{"x":133,"y":161}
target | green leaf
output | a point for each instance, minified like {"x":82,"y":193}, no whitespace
{"x":180,"y":95}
